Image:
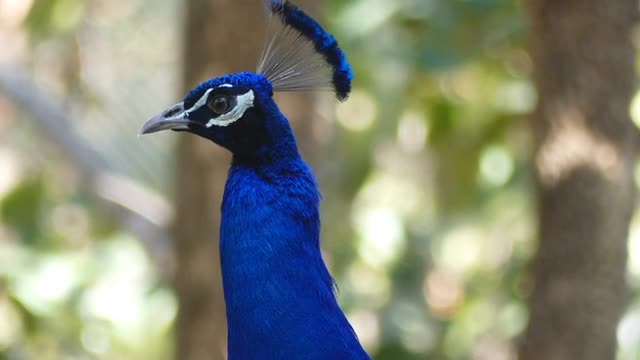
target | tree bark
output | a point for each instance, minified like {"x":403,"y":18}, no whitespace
{"x":221,"y":36}
{"x":585,"y":149}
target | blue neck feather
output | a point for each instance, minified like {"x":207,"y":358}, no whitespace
{"x":279,"y":294}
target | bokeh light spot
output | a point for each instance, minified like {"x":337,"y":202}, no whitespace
{"x":444,"y":293}
{"x":496,"y":166}
{"x":95,"y":338}
{"x":460,"y":250}
{"x":381,"y":240}
{"x":367,"y":327}
{"x":412,"y":132}
{"x":516,"y":96}
{"x":628,"y":332}
{"x":371,"y":285}
{"x":359,"y":113}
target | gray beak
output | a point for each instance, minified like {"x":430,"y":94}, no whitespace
{"x":173,"y":118}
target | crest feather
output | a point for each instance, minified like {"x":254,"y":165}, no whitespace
{"x":300,"y":55}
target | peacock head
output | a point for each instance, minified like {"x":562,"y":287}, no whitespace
{"x":237,"y":111}
{"x":231,"y":110}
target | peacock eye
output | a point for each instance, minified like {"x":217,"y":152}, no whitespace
{"x":221,"y":104}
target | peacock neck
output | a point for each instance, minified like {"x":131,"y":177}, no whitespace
{"x":278,"y":292}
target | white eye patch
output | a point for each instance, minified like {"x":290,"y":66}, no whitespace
{"x":199,"y":103}
{"x":243,"y":102}
{"x":204,"y":97}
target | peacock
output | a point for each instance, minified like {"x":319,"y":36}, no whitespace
{"x":280,"y":297}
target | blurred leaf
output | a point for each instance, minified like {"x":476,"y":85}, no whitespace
{"x":49,"y":17}
{"x":38,"y":20}
{"x":442,"y":120}
{"x":21,"y":209}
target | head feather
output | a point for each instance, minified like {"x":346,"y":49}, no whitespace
{"x":300,"y":55}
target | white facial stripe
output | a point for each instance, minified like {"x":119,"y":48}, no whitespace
{"x":203,"y":98}
{"x":199,"y":103}
{"x":244,"y":102}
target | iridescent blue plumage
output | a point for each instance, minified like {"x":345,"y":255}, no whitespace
{"x":279,"y":294}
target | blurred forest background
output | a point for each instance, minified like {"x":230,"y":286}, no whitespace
{"x":442,"y":176}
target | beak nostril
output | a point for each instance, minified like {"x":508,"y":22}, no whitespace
{"x":172,"y":112}
{"x":172,"y":118}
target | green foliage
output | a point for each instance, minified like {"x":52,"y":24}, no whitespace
{"x":456,"y":69}
{"x":21,"y":209}
{"x":50,"y":17}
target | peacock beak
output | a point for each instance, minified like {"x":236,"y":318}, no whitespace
{"x":174,"y":118}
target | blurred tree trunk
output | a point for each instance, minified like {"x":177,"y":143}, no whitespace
{"x":585,"y":148}
{"x":221,"y":36}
